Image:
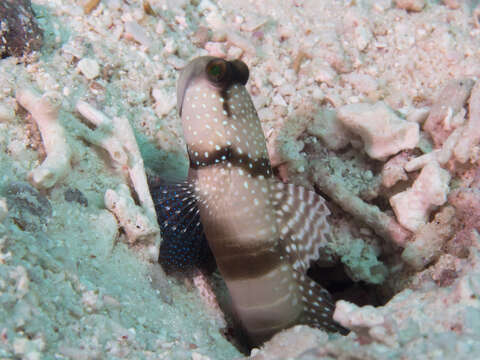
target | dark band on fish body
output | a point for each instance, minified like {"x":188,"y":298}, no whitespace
{"x":216,"y":157}
{"x":249,"y":265}
{"x":254,"y":167}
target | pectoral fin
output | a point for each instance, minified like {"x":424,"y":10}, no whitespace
{"x":184,"y":245}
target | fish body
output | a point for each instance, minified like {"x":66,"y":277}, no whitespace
{"x":262,"y":233}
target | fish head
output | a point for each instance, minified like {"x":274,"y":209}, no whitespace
{"x":218,"y":116}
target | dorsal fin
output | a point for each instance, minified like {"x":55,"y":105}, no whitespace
{"x":184,"y":245}
{"x":302,"y":222}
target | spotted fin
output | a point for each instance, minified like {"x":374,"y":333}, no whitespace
{"x":184,"y":245}
{"x":301,"y":216}
{"x":302,"y":221}
{"x":318,"y":306}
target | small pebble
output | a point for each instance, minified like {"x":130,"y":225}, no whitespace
{"x":89,"y":68}
{"x":452,"y":4}
{"x":410,"y":5}
{"x":138,"y":33}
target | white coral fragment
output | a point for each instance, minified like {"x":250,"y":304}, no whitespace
{"x":44,"y":109}
{"x":89,"y":68}
{"x":383,"y":132}
{"x":413,"y":206}
{"x":136,"y":224}
{"x":353,"y":316}
{"x":117,"y":138}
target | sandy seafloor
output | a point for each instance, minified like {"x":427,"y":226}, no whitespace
{"x":341,"y":87}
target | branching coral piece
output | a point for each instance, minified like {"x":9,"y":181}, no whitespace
{"x":442,"y":155}
{"x":137,"y":225}
{"x":44,"y":109}
{"x":117,"y":138}
{"x":413,"y":206}
{"x":371,"y":215}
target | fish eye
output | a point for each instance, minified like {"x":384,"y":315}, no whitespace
{"x":217,"y":70}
